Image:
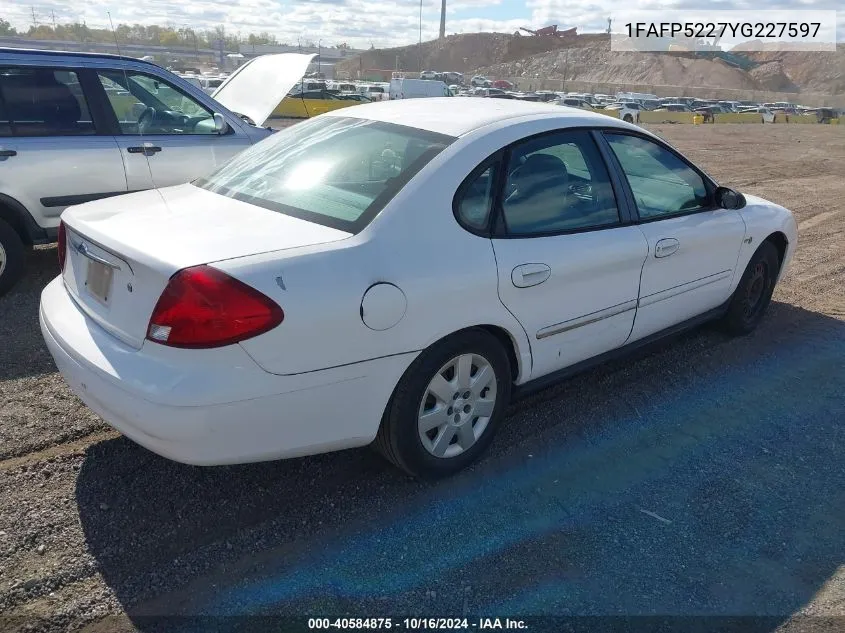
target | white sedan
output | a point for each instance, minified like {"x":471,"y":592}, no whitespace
{"x":391,"y":274}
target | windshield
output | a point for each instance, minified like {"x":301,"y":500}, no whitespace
{"x":335,"y":171}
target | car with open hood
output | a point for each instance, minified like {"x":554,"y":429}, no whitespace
{"x":76,"y":127}
{"x":390,"y":274}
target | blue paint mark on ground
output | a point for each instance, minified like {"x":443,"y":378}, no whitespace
{"x":743,"y":461}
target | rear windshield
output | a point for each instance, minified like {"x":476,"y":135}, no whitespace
{"x":335,"y":171}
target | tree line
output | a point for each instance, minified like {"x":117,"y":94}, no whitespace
{"x":148,"y":35}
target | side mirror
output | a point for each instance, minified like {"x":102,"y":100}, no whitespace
{"x":220,"y":125}
{"x":729,"y":199}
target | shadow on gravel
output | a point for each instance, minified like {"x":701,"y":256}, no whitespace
{"x":23,"y":350}
{"x":705,"y":477}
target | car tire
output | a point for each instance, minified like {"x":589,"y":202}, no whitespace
{"x":754,"y":291}
{"x":460,"y":436}
{"x":12,"y":257}
{"x":628,"y":118}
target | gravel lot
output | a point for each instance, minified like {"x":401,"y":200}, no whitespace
{"x":703,"y":477}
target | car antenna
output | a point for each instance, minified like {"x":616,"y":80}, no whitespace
{"x":126,"y":82}
{"x":302,"y":96}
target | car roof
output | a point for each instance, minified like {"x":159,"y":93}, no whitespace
{"x":457,"y":117}
{"x":32,"y":52}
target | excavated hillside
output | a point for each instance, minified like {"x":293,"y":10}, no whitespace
{"x":809,"y":71}
{"x":461,"y":53}
{"x":600,"y":64}
{"x":589,"y":58}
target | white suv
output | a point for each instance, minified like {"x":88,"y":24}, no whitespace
{"x":76,"y":127}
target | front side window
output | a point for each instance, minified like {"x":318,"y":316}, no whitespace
{"x":557,"y":183}
{"x":661,"y":182}
{"x":335,"y":171}
{"x":44,"y":102}
{"x":148,"y":105}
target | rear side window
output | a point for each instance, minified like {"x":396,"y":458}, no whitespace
{"x":43,"y":102}
{"x":557,"y":183}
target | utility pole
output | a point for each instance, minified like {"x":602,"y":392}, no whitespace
{"x":419,"y":49}
{"x":53,"y":14}
{"x":609,"y":21}
{"x":443,"y":19}
{"x":34,"y":18}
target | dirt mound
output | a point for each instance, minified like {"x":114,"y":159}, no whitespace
{"x":811,"y":71}
{"x":597,"y":63}
{"x":771,"y":76}
{"x":463,"y":53}
{"x":589,"y":58}
{"x":459,"y":53}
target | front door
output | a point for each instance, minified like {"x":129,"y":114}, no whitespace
{"x":568,"y":269}
{"x":692,"y":246}
{"x":166,"y":136}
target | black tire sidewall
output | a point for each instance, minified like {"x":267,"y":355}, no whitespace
{"x":735,"y":318}
{"x":15,"y":257}
{"x":403,"y":411}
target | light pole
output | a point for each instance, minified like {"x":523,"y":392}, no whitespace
{"x":420,"y":45}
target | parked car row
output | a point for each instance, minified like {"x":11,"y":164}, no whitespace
{"x":447,"y":77}
{"x":481,"y":86}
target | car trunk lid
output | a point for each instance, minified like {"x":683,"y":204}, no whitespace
{"x":121,"y":252}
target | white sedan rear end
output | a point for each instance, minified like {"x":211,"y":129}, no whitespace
{"x":392,"y":272}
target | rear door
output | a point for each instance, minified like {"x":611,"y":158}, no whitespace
{"x":165,"y":135}
{"x":52,"y":152}
{"x":568,"y":260}
{"x":693,"y":246}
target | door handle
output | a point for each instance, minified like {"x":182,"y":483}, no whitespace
{"x":526,"y":275}
{"x":147,"y":149}
{"x":665,"y":247}
{"x":6,"y":153}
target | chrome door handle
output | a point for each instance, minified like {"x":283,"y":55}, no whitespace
{"x":665,"y":247}
{"x":147,"y":149}
{"x":7,"y":153}
{"x":526,"y":275}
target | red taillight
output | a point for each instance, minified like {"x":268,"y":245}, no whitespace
{"x":204,"y":307}
{"x":62,"y":246}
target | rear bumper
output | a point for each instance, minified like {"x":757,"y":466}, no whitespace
{"x":209,"y":407}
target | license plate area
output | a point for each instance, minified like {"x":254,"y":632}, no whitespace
{"x":98,"y":281}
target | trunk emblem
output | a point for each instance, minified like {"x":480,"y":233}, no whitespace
{"x":80,"y":248}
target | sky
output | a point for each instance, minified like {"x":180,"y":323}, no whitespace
{"x":361,"y":23}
